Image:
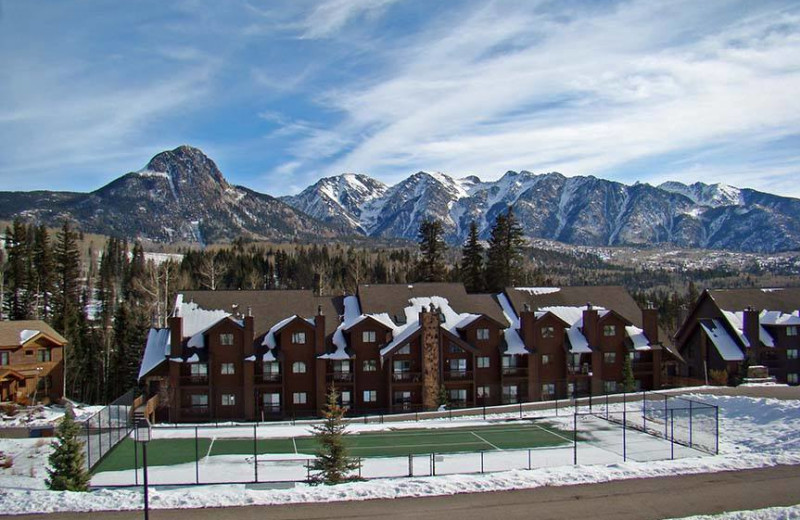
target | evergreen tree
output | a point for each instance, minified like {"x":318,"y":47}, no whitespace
{"x":504,"y":258}
{"x":42,"y":274}
{"x":431,"y":267}
{"x":18,"y":271}
{"x":628,"y":382}
{"x":442,"y":399}
{"x":67,"y":471}
{"x":332,"y":465}
{"x":67,"y":295}
{"x":472,"y":261}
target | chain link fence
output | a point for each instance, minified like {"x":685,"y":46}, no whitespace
{"x":101,"y":432}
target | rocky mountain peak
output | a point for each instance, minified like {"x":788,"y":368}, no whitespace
{"x":187,"y":167}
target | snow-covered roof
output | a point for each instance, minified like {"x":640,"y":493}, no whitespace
{"x":155,"y":350}
{"x":723,"y":342}
{"x":269,"y":338}
{"x":26,"y":334}
{"x":513,"y":339}
{"x":536,"y":291}
{"x":577,"y":341}
{"x":352,"y":315}
{"x":194,"y":358}
{"x":196,"y":320}
{"x":779,"y":318}
{"x":574,"y":317}
{"x":638,"y":338}
{"x":736,"y":321}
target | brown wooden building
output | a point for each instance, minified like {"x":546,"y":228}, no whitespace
{"x":727,"y":327}
{"x":31,"y":362}
{"x":245,"y":355}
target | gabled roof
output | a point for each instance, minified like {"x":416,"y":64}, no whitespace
{"x":17,"y":333}
{"x":786,"y":300}
{"x":726,"y":346}
{"x":7,"y":374}
{"x":612,"y":297}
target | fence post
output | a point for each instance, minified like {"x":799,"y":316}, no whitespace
{"x":644,"y":410}
{"x":691,"y":413}
{"x":606,"y":406}
{"x":624,"y":435}
{"x":410,"y":465}
{"x":308,"y":471}
{"x":360,"y":464}
{"x":666,"y":412}
{"x":433,"y":458}
{"x":529,"y":458}
{"x":255,"y":452}
{"x":556,"y":406}
{"x":196,"y":458}
{"x":716,"y":428}
{"x":672,"y":434}
{"x":481,"y":461}
{"x":574,"y":440}
{"x":135,"y":462}
{"x":520,"y":409}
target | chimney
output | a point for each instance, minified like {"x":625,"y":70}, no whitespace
{"x":526,"y":319}
{"x":249,"y":333}
{"x":175,"y":324}
{"x":650,"y":322}
{"x":751,"y":326}
{"x":319,"y":331}
{"x":590,"y":325}
{"x":317,"y":284}
{"x":429,"y":339}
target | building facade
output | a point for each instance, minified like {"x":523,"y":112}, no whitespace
{"x":31,"y":362}
{"x":255,"y":355}
{"x":728,"y":328}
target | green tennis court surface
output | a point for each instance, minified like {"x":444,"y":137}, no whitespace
{"x":370,"y":444}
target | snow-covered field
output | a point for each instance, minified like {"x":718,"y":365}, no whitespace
{"x":769,"y":513}
{"x":754,"y":433}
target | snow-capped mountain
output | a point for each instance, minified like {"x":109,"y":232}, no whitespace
{"x":339,"y":200}
{"x":179,"y":196}
{"x":584,"y":210}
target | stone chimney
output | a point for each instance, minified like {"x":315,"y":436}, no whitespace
{"x":429,"y":339}
{"x":590,"y":325}
{"x":751,"y":326}
{"x":650,"y":322}
{"x":175,"y":324}
{"x":526,"y":319}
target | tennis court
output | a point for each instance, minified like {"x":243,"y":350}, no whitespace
{"x":390,"y":443}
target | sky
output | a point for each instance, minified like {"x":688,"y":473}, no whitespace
{"x":282,"y":93}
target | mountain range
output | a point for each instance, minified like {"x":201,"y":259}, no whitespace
{"x":181,"y":196}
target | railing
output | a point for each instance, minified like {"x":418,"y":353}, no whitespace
{"x":451,"y":375}
{"x":578,"y":370}
{"x":406,"y":377}
{"x":515,"y":372}
{"x":194,"y":380}
{"x":340,"y":377}
{"x":271,"y":377}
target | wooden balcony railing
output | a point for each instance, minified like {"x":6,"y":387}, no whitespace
{"x":271,"y":377}
{"x":194,"y":380}
{"x":406,"y":377}
{"x":457,"y":375}
{"x":515,"y":372}
{"x":340,"y":377}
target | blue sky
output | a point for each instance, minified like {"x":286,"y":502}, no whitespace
{"x":280,"y":94}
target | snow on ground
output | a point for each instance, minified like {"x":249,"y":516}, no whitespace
{"x":769,"y":513}
{"x":754,"y":433}
{"x":43,"y":416}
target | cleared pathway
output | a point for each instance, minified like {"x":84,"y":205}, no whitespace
{"x":654,"y":498}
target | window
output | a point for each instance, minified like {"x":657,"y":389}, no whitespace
{"x":609,"y":330}
{"x":609,"y":358}
{"x":791,"y":330}
{"x":510,"y":393}
{"x":272,"y":367}
{"x":299,"y":398}
{"x":791,"y":379}
{"x":405,"y":350}
{"x":791,"y":353}
{"x":454,"y":349}
{"x":458,"y":395}
{"x":341,"y":367}
{"x":545,"y":359}
{"x":483,"y":362}
{"x":199,"y":400}
{"x":402,"y":397}
{"x":484,"y":392}
{"x":458,"y":365}
{"x":43,"y":355}
{"x":483,"y":334}
{"x":346,"y":397}
{"x":548,"y":332}
{"x":227,"y":369}
{"x":548,"y":389}
{"x":370,"y":365}
{"x":299,"y":338}
{"x":271,"y":401}
{"x":298,"y":367}
{"x":29,"y":352}
{"x":610,"y":386}
{"x":368,"y":336}
{"x":198,"y":369}
{"x":370,"y":396}
{"x":228,"y":399}
{"x":401,"y":366}
{"x":4,"y":358}
{"x":226,"y":339}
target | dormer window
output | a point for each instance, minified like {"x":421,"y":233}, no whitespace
{"x":548,"y":332}
{"x":368,"y":336}
{"x":483,"y":334}
{"x":609,"y":330}
{"x":226,"y":339}
{"x":791,"y":330}
{"x":299,"y":338}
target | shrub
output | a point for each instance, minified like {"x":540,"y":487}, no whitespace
{"x":718,"y":377}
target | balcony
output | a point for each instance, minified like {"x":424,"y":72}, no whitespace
{"x":515,"y":372}
{"x":457,"y":375}
{"x":340,"y":377}
{"x":406,"y":377}
{"x":194,"y":380}
{"x":271,"y":377}
{"x":580,"y":370}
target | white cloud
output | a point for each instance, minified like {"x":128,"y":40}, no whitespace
{"x":331,"y":16}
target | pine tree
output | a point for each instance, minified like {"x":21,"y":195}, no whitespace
{"x":18,"y":271}
{"x":333,"y":465}
{"x":67,"y":471}
{"x":504,"y":258}
{"x":42,"y":272}
{"x":472,"y":261}
{"x":442,"y":399}
{"x":628,"y":382}
{"x":431,"y":266}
